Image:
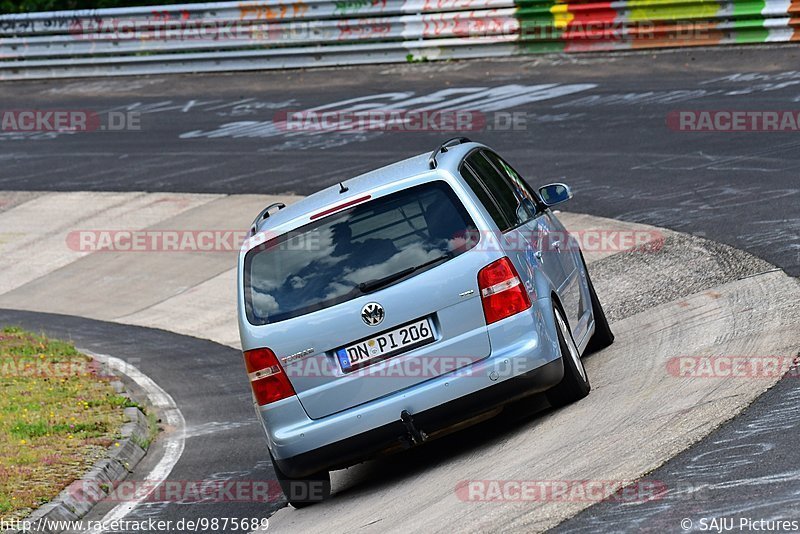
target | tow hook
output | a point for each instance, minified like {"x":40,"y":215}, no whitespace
{"x":417,"y":436}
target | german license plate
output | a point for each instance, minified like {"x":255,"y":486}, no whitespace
{"x":385,"y":345}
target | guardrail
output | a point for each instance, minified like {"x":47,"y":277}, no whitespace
{"x":229,"y":36}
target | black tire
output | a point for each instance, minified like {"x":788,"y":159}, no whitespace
{"x":603,"y":336}
{"x":302,"y":492}
{"x":575,"y":384}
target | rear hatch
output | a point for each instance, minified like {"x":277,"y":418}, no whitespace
{"x":371,"y":300}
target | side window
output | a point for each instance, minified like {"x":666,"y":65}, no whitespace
{"x":486,"y":199}
{"x":523,"y":189}
{"x":499,"y":188}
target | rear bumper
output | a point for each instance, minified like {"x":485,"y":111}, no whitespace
{"x":395,"y":436}
{"x":524,"y":349}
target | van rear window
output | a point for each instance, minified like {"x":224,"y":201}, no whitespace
{"x":356,"y":251}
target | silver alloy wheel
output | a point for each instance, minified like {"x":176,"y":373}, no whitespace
{"x":571,"y":348}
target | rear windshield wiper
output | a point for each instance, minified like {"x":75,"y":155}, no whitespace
{"x":377,"y":283}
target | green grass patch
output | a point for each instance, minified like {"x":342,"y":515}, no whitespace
{"x":152,"y":431}
{"x":58,"y":416}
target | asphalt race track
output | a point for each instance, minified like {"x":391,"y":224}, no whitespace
{"x":597,"y":122}
{"x":743,"y":470}
{"x":606,"y":135}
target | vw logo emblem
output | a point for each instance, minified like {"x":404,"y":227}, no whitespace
{"x":372,"y":314}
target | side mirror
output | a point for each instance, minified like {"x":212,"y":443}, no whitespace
{"x":553,"y":194}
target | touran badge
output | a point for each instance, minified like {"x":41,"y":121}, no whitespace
{"x":372,"y":314}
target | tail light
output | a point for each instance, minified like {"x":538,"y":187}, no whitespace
{"x":267,"y":378}
{"x":502,"y":292}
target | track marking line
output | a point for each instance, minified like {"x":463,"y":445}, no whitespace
{"x":175,"y":442}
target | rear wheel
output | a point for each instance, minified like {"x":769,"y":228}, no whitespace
{"x":603,"y":336}
{"x":575,"y":384}
{"x":305,"y":491}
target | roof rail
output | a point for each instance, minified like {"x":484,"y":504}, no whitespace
{"x":443,"y":148}
{"x":265,"y":215}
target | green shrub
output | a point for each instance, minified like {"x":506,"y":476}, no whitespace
{"x":29,"y":6}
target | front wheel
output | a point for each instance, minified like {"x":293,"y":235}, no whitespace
{"x":305,"y":491}
{"x":575,"y":384}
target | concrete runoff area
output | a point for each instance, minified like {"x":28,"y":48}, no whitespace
{"x":189,"y":291}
